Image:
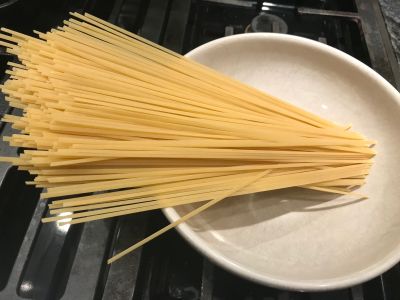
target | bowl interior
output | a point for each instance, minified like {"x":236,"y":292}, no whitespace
{"x":293,"y":238}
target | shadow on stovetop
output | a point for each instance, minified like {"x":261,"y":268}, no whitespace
{"x":17,"y":203}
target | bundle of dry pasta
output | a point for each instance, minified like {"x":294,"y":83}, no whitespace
{"x":115,"y":124}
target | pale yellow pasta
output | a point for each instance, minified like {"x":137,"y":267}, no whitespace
{"x":116,"y":124}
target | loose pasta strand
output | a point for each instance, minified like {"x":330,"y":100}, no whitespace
{"x":188,"y":216}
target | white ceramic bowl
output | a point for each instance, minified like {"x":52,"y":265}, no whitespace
{"x":290,"y":239}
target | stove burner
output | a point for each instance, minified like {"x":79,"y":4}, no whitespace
{"x":267,"y":23}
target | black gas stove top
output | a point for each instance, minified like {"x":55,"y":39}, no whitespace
{"x":49,"y":261}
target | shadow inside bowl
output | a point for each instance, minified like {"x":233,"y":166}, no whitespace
{"x":247,"y":210}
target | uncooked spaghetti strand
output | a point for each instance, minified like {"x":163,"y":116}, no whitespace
{"x":187,"y":197}
{"x":147,"y":128}
{"x":188,"y":216}
{"x":208,"y":71}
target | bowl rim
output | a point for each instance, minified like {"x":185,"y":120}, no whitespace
{"x":306,"y":285}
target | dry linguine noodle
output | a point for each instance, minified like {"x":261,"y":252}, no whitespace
{"x":115,"y":124}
